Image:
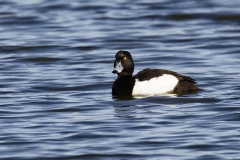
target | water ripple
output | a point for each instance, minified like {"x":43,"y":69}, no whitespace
{"x":56,"y":62}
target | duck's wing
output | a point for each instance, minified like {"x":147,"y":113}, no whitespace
{"x":148,"y":74}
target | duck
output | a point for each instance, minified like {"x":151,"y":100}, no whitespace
{"x":148,"y":81}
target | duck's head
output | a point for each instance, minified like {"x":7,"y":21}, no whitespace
{"x":123,"y":64}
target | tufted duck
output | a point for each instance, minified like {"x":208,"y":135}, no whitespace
{"x":148,"y":81}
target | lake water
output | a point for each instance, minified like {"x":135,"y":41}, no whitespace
{"x":56,"y":59}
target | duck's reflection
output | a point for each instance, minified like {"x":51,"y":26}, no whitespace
{"x":123,"y":98}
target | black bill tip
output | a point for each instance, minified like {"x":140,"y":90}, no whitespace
{"x":114,"y":71}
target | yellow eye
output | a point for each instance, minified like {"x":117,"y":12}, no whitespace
{"x":124,"y":58}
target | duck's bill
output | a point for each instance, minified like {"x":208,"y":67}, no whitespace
{"x":117,"y":67}
{"x":114,"y":71}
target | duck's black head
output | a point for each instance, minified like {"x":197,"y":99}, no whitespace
{"x":123,"y":64}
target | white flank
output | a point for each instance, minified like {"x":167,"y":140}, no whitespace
{"x":118,"y":67}
{"x":158,"y":85}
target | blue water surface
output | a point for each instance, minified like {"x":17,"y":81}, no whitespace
{"x":56,"y":59}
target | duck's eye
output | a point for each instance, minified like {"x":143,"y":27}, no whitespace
{"x":124,"y":58}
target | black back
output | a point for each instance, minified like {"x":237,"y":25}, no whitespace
{"x":148,"y":74}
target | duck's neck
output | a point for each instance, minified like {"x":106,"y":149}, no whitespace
{"x":124,"y":74}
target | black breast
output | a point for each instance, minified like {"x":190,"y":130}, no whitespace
{"x":123,"y":85}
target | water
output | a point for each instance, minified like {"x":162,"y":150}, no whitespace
{"x":56,"y":59}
